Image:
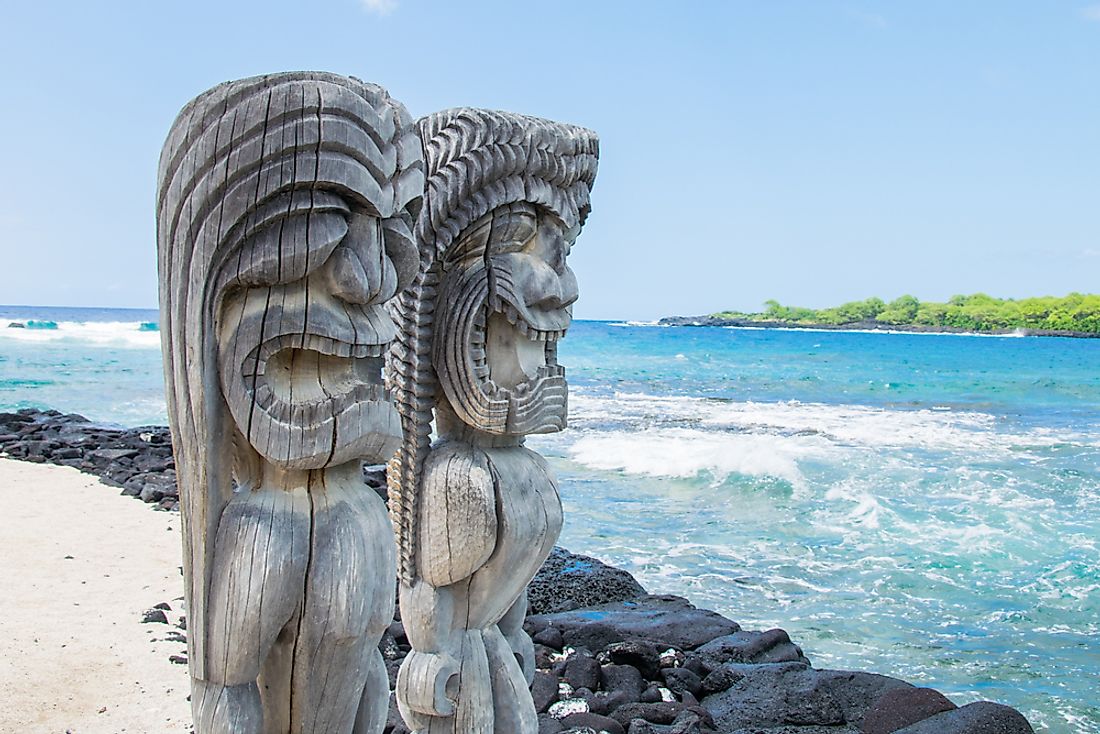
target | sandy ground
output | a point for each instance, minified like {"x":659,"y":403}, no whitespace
{"x":79,"y":564}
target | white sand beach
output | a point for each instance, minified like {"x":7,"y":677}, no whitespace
{"x":79,"y":566}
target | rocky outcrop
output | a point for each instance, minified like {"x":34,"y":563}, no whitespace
{"x":137,"y":460}
{"x":568,"y":581}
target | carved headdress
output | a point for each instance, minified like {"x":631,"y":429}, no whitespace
{"x":478,"y":162}
{"x":257,"y":181}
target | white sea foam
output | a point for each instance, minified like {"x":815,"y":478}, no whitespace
{"x":106,"y":333}
{"x":637,"y":323}
{"x":683,"y":453}
{"x":852,"y":426}
{"x":866,"y":509}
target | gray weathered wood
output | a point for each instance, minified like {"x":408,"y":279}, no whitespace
{"x":284,"y":216}
{"x":477,"y":513}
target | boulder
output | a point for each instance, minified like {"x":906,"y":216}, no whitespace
{"x":982,"y":717}
{"x":771,"y":695}
{"x":772,"y":646}
{"x":663,"y":620}
{"x":901,"y":707}
{"x":569,"y":581}
{"x":622,"y":678}
{"x":640,"y":654}
{"x":582,"y":671}
{"x":680,"y":680}
{"x":544,"y":690}
{"x":550,"y":637}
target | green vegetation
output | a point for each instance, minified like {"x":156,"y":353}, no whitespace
{"x":979,"y":312}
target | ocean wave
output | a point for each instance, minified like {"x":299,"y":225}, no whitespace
{"x":686,"y":453}
{"x":843,"y":425}
{"x":141,"y":334}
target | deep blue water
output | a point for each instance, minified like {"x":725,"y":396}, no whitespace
{"x":925,"y":506}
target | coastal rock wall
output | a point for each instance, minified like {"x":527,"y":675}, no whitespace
{"x":610,"y":657}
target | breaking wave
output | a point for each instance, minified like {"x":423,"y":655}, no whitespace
{"x":112,"y":333}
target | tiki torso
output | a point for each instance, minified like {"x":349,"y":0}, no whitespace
{"x":510,"y":513}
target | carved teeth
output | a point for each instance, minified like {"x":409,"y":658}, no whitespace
{"x":264,"y":395}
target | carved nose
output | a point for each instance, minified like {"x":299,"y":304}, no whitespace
{"x":569,"y":290}
{"x":560,"y":292}
{"x":359,"y":271}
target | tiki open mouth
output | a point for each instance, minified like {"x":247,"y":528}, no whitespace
{"x":510,"y":353}
{"x":295,"y":376}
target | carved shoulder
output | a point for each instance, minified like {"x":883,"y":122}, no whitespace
{"x":458,"y":518}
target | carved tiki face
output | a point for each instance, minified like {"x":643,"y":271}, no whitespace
{"x":301,"y":323}
{"x":506,"y":299}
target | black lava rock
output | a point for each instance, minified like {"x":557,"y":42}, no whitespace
{"x":568,"y":581}
{"x":774,"y":695}
{"x":595,"y":722}
{"x":582,"y":671}
{"x":640,"y":654}
{"x":544,"y":690}
{"x":680,"y":680}
{"x":550,"y":636}
{"x":625,"y":679}
{"x":662,"y":712}
{"x":772,"y":646}
{"x":982,"y":717}
{"x":550,"y":725}
{"x":154,"y":616}
{"x":901,"y":707}
{"x":664,"y":620}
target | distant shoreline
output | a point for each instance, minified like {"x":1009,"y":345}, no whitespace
{"x":866,"y":326}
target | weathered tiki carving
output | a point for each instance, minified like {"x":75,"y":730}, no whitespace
{"x":284,"y":216}
{"x":477,"y":513}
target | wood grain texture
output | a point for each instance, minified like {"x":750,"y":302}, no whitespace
{"x":477,"y":513}
{"x":285,"y":210}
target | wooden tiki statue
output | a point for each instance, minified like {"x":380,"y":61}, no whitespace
{"x":477,"y":513}
{"x":285,"y":211}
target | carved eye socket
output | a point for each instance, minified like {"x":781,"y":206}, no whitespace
{"x":514,"y":227}
{"x":551,"y":245}
{"x":288,"y":249}
{"x":401,"y":250}
{"x":375,"y":260}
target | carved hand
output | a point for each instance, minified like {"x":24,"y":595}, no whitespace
{"x":429,"y":683}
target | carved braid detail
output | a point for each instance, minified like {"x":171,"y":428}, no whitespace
{"x":477,"y":160}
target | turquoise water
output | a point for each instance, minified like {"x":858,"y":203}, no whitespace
{"x":918,"y":505}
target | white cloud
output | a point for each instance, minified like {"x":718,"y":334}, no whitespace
{"x":1091,"y":12}
{"x":380,"y":7}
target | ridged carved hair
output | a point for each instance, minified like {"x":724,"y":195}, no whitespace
{"x":244,"y":160}
{"x":477,"y":161}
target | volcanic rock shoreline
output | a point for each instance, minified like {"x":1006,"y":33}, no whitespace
{"x":712,"y":320}
{"x":610,"y":657}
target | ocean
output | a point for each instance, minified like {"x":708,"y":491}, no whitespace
{"x":923,"y":506}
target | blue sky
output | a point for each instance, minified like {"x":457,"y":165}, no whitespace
{"x":814,"y":152}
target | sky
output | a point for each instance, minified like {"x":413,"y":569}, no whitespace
{"x":813,"y":152}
